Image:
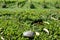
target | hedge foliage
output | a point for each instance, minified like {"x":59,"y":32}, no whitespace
{"x":31,"y":4}
{"x":17,"y":16}
{"x":14,"y":23}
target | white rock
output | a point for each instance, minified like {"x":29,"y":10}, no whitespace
{"x":54,"y":18}
{"x":28,"y":34}
{"x":46,"y":30}
{"x":2,"y":38}
{"x":1,"y":32}
{"x":46,"y":22}
{"x":37,"y":33}
{"x":0,"y":28}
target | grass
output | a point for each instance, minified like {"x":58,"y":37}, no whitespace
{"x":15,"y":20}
{"x":26,"y":4}
{"x":16,"y":23}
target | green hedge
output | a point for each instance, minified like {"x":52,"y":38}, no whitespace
{"x":49,"y":4}
{"x":14,"y":22}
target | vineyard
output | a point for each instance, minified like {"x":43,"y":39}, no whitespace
{"x":18,"y":16}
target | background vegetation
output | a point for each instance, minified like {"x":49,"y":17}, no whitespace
{"x":17,"y":16}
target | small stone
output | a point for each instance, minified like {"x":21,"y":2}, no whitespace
{"x":1,"y":33}
{"x":2,"y":38}
{"x":54,"y":18}
{"x":37,"y":33}
{"x":28,"y":34}
{"x":46,"y":22}
{"x":46,"y":30}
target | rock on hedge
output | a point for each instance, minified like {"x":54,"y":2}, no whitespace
{"x":28,"y":34}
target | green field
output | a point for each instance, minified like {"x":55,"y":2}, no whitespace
{"x":17,"y":16}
